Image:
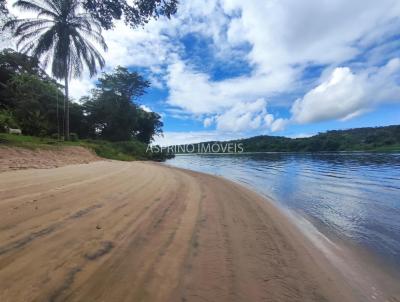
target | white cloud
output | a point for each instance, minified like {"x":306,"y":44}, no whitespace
{"x":282,"y":38}
{"x":194,"y":91}
{"x":346,"y":94}
{"x":145,"y":108}
{"x":208,"y":121}
{"x":243,"y":116}
{"x":155,"y":82}
{"x":145,"y":47}
{"x":279,"y":124}
{"x":299,"y":32}
{"x":80,"y":87}
{"x":285,"y":37}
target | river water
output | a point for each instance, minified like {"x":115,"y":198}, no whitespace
{"x":355,"y":196}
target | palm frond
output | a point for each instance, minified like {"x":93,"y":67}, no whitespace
{"x":28,"y":47}
{"x":45,"y":42}
{"x":89,"y":53}
{"x":63,"y":37}
{"x":28,"y":37}
{"x":54,"y":5}
{"x":36,"y":7}
{"x":82,"y":52}
{"x":31,"y":25}
{"x":97,"y":37}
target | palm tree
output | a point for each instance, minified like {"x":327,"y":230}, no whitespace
{"x":62,"y":35}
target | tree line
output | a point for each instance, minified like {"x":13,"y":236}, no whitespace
{"x":358,"y":139}
{"x":33,"y":101}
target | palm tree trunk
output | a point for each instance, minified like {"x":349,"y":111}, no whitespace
{"x":66,"y":110}
{"x":66,"y":104}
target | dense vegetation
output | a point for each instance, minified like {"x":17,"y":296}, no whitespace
{"x":109,"y":120}
{"x":126,"y":150}
{"x":61,"y":37}
{"x":64,"y":36}
{"x":359,"y":139}
{"x":378,"y":138}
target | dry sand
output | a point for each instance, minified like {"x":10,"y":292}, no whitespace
{"x":22,"y":158}
{"x":114,"y":231}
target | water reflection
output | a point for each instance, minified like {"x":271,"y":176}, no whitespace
{"x":354,"y":195}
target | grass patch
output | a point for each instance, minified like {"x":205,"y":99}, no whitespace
{"x":124,"y":151}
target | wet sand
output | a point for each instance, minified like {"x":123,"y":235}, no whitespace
{"x":114,"y":231}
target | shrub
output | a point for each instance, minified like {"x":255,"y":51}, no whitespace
{"x":7,"y":121}
{"x":73,"y":137}
{"x":54,"y":136}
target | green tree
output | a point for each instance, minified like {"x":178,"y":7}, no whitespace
{"x":33,"y":103}
{"x":79,"y":122}
{"x":135,"y":13}
{"x":149,"y":125}
{"x":7,"y":120}
{"x":112,"y":110}
{"x":63,"y":35}
{"x":112,"y":117}
{"x":14,"y":63}
{"x":122,"y":82}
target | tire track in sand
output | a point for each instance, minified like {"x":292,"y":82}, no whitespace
{"x":147,"y":232}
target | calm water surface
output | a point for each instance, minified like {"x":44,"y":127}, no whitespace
{"x":354,"y":195}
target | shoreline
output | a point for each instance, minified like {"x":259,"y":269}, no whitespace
{"x":373,"y":278}
{"x":18,"y":158}
{"x":370,"y":277}
{"x":154,"y":232}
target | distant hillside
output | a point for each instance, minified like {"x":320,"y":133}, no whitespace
{"x":358,"y":139}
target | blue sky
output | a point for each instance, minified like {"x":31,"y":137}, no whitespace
{"x":223,"y":69}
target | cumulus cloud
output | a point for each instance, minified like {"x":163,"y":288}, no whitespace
{"x":346,"y":94}
{"x":145,"y":47}
{"x":311,"y":31}
{"x":279,"y":124}
{"x":194,"y":92}
{"x":341,"y":95}
{"x":242,"y":116}
{"x":285,"y":37}
{"x":246,"y":116}
{"x":282,"y":39}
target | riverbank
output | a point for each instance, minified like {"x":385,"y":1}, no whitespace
{"x":22,"y":158}
{"x":116,"y":150}
{"x":114,"y":231}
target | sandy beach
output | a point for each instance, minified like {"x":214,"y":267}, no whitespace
{"x":13,"y":158}
{"x":115,"y":231}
